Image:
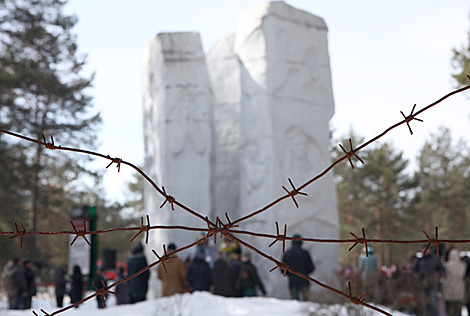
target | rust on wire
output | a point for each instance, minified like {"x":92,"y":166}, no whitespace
{"x":19,"y":233}
{"x":362,"y":241}
{"x":432,"y":241}
{"x":280,"y":237}
{"x":80,"y":233}
{"x":143,"y":228}
{"x":117,"y":161}
{"x":294,"y":192}
{"x":103,"y":291}
{"x":281,"y":265}
{"x":351,"y":153}
{"x":168,"y":198}
{"x":165,"y":258}
{"x":226,"y":229}
{"x":49,"y":145}
{"x":410,"y":117}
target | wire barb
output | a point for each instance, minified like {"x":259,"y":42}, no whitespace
{"x":80,"y":233}
{"x":362,"y":240}
{"x":432,"y":241}
{"x":280,"y":237}
{"x":45,"y":313}
{"x":410,"y":117}
{"x":355,"y":300}
{"x":281,"y":265}
{"x":351,"y":153}
{"x":294,"y":192}
{"x":143,"y":228}
{"x":117,"y":161}
{"x":48,"y":145}
{"x":163,"y":258}
{"x":103,"y":291}
{"x":19,"y":233}
{"x":168,"y":198}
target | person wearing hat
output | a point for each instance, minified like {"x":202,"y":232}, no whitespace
{"x":369,"y":272}
{"x":199,"y":272}
{"x":172,"y":274}
{"x":299,"y":260}
{"x":139,"y":284}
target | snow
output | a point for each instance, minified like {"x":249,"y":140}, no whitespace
{"x":202,"y":304}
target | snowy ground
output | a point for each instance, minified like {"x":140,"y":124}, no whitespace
{"x":202,"y":304}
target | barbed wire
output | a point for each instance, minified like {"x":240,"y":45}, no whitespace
{"x":227,"y":229}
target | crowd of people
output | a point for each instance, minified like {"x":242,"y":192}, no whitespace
{"x":226,"y":270}
{"x":427,"y":286}
{"x":20,"y":283}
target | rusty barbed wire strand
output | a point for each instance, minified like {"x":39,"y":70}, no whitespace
{"x":118,"y":161}
{"x":226,"y":229}
{"x":285,"y":268}
{"x":351,"y":153}
{"x":107,"y":288}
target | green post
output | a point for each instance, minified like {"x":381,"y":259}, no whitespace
{"x":94,"y":246}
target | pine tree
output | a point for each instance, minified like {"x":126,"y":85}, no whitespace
{"x":43,"y":91}
{"x":374,"y":196}
{"x":461,"y":62}
{"x":443,"y":177}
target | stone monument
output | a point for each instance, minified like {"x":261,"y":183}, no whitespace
{"x":224,"y":132}
{"x":177,"y":134}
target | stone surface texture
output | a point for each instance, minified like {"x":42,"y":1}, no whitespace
{"x":224,"y":132}
{"x":177,"y":131}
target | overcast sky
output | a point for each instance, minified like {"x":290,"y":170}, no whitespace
{"x":385,"y":56}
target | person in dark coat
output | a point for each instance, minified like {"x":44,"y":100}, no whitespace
{"x":199,"y":273}
{"x":60,"y":283}
{"x":139,"y":284}
{"x":15,"y":284}
{"x":248,"y":279}
{"x":122,"y":290}
{"x":223,"y":277}
{"x":31,"y":289}
{"x":100,"y":281}
{"x":76,"y":285}
{"x":429,"y":270}
{"x":235,"y":264}
{"x":298,"y":259}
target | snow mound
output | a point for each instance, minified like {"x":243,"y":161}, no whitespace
{"x":204,"y":304}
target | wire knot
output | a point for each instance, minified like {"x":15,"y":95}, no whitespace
{"x":80,"y":233}
{"x":165,"y":258}
{"x":432,"y":241}
{"x":362,"y":241}
{"x":219,"y":228}
{"x":294,"y":192}
{"x":19,"y":233}
{"x":168,"y":198}
{"x":350,"y":154}
{"x":117,"y":161}
{"x":280,"y":237}
{"x":103,"y":291}
{"x":409,"y":118}
{"x":48,"y":145}
{"x":353,"y":299}
{"x":281,"y":265}
{"x":143,"y":228}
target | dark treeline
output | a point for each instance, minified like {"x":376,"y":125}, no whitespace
{"x":43,"y":90}
{"x":393,"y":200}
